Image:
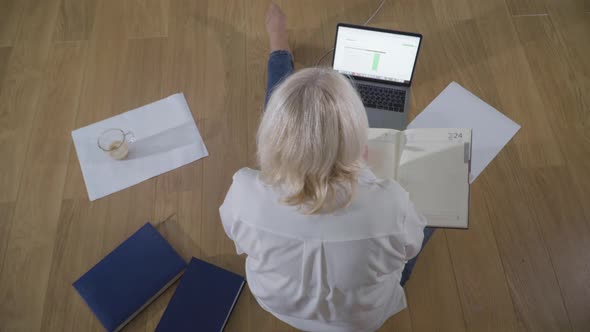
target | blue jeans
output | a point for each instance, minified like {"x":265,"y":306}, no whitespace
{"x":280,"y":66}
{"x":428,"y":231}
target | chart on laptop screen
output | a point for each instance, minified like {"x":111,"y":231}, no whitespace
{"x":374,"y":54}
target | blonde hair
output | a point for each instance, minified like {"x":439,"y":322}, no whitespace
{"x":311,"y":139}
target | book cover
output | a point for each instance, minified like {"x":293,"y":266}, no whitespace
{"x":130,"y":277}
{"x":203,"y":300}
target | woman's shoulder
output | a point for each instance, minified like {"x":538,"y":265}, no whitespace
{"x":246,"y":174}
{"x":367,"y":177}
{"x":246,"y":181}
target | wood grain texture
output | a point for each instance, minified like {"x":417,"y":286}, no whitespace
{"x":511,"y":73}
{"x":566,"y":233}
{"x":544,"y":50}
{"x":400,"y":322}
{"x":11,"y":12}
{"x":106,"y":49}
{"x":522,"y":265}
{"x":572,"y":24}
{"x":562,"y":219}
{"x":483,"y":291}
{"x":576,"y":143}
{"x":20,"y":90}
{"x":23,"y":279}
{"x":432,"y":290}
{"x":6,"y":210}
{"x":434,"y":282}
{"x":80,"y":245}
{"x":538,"y":303}
{"x":526,"y":7}
{"x":482,"y":286}
{"x":139,"y":81}
{"x":4,"y":57}
{"x":75,"y":20}
{"x":146,"y":18}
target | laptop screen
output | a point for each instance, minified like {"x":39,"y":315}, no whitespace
{"x":377,"y":55}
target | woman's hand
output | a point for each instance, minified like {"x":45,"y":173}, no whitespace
{"x":276,"y":27}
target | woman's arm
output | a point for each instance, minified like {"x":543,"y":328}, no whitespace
{"x":280,"y":61}
{"x":414,"y":224}
{"x":227,"y":211}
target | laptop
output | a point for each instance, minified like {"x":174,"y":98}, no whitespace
{"x":380,"y":63}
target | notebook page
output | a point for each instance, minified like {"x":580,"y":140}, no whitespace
{"x":434,"y":169}
{"x":383,"y":152}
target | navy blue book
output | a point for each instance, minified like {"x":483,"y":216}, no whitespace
{"x":203,"y":300}
{"x":130,"y":277}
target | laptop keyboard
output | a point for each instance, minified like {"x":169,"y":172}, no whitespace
{"x":382,"y":98}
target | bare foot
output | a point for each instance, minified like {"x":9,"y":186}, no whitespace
{"x":276,"y":27}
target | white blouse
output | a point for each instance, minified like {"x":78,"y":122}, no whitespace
{"x":325,"y":272}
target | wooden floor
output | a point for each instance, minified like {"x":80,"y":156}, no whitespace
{"x":523,"y":265}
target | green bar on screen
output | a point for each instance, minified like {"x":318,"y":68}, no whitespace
{"x":375,"y":61}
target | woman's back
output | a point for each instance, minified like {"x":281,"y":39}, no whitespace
{"x":336,"y":271}
{"x":326,"y":241}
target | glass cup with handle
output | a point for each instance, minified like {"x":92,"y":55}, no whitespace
{"x":115,"y":142}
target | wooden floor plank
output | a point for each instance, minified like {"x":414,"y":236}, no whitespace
{"x":139,"y":81}
{"x":433,"y":286}
{"x":4,"y":57}
{"x":11,"y":12}
{"x":6,"y":211}
{"x":544,"y":50}
{"x":184,"y":71}
{"x":529,"y":271}
{"x":511,"y":72}
{"x":105,"y":52}
{"x":122,"y":75}
{"x":526,"y":7}
{"x":20,"y":91}
{"x":306,"y":33}
{"x":432,"y":290}
{"x":179,"y":192}
{"x":513,"y":225}
{"x":75,"y":20}
{"x":576,"y":145}
{"x":400,"y":322}
{"x":431,"y":75}
{"x":257,"y":53}
{"x":563,"y":223}
{"x":81,"y":230}
{"x":560,"y":213}
{"x":452,"y":12}
{"x":226,"y":132}
{"x":23,"y":280}
{"x":223,"y":111}
{"x":146,"y":18}
{"x":140,"y":74}
{"x":572,"y":25}
{"x":485,"y":297}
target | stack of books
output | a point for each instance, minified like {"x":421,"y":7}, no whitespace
{"x":133,"y":275}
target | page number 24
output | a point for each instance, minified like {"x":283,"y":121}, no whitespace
{"x":455,"y":136}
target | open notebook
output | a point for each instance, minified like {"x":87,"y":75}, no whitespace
{"x":432,"y":165}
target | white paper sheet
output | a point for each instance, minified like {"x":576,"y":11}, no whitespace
{"x":456,"y":107}
{"x":166,"y":137}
